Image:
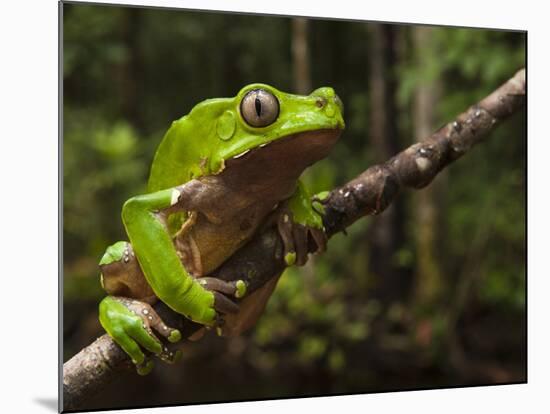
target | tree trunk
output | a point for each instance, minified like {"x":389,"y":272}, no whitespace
{"x":129,"y":71}
{"x":386,"y":234}
{"x":428,"y":282}
{"x":300,"y":56}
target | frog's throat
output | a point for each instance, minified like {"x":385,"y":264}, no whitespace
{"x":289,"y":155}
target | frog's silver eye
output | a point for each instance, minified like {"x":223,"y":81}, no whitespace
{"x":259,"y":108}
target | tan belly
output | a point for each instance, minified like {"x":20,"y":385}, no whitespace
{"x":207,"y":245}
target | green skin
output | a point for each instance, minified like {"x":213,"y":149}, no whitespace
{"x":198,"y":148}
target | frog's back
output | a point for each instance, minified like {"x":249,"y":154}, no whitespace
{"x":185,"y":150}
{"x":174,"y":159}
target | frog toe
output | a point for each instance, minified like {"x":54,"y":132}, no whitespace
{"x":300,"y":235}
{"x":152,"y":320}
{"x":223,"y":304}
{"x":174,"y":336}
{"x":235,"y":288}
{"x":129,"y":346}
{"x":284,"y":227}
{"x":143,"y":335}
{"x":290,"y":258}
{"x":240,"y":288}
{"x":145,"y":367}
{"x":170,"y":356}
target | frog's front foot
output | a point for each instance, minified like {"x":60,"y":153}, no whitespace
{"x":130,"y":323}
{"x":299,"y":239}
{"x":222,"y":291}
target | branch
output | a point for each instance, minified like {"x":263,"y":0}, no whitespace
{"x":368,"y":194}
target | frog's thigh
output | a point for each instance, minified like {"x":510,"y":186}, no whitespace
{"x":250,"y":309}
{"x":121,"y":274}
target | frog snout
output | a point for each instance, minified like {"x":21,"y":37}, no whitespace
{"x":324,"y":92}
{"x":326,"y":98}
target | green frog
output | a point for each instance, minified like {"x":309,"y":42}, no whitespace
{"x":221,"y":173}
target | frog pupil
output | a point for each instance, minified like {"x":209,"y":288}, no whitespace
{"x":258,"y":105}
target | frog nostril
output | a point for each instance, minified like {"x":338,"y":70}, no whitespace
{"x":324,"y":92}
{"x":320,"y":102}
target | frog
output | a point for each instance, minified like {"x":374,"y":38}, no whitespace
{"x":221,"y":173}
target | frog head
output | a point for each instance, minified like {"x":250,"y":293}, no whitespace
{"x":304,"y":127}
{"x":259,"y":125}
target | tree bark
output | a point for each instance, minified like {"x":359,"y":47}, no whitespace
{"x":368,"y":194}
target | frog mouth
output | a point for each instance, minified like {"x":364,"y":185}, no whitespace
{"x":301,"y":148}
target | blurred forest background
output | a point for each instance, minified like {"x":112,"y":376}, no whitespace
{"x":430,"y":293}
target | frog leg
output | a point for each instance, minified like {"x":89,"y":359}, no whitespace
{"x":130,"y":323}
{"x":145,"y":220}
{"x":121,"y":274}
{"x":122,"y":279}
{"x":300,"y":224}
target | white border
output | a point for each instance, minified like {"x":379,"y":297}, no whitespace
{"x":28,"y":32}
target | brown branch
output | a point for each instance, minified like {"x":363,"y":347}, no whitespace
{"x":368,"y":194}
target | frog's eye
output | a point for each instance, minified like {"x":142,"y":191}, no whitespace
{"x":259,"y":108}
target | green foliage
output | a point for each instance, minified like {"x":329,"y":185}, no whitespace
{"x":101,"y":168}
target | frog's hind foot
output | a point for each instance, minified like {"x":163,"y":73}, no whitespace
{"x":130,"y":323}
{"x":151,"y":320}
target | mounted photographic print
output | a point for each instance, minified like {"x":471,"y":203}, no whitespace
{"x":260,"y":207}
